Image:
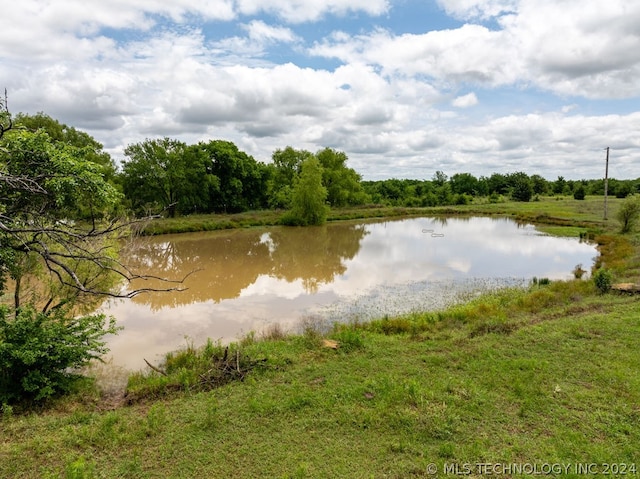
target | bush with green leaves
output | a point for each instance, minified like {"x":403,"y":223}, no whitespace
{"x":580,"y":193}
{"x":603,"y":279}
{"x":41,"y":352}
{"x":522,"y":188}
{"x":629,"y":213}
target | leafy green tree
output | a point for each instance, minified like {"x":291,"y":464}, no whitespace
{"x":201,"y":186}
{"x":444,"y":195}
{"x":392,"y":190}
{"x":623,"y":189}
{"x":521,"y":186}
{"x":287,"y":165}
{"x":580,"y":192}
{"x":595,"y":187}
{"x":483,"y":186}
{"x":43,"y":183}
{"x":498,"y":184}
{"x":308,"y":198}
{"x":464,"y":183}
{"x":539,"y":184}
{"x":439,"y":178}
{"x":241,"y":180}
{"x":155,"y":176}
{"x":559,"y":185}
{"x":629,"y":213}
{"x":56,"y":177}
{"x":342,"y":183}
{"x":92,"y":150}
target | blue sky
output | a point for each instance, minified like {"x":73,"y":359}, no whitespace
{"x":404,"y":88}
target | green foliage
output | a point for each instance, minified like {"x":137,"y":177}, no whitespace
{"x":203,"y":178}
{"x":539,"y":184}
{"x":559,"y":185}
{"x":56,"y":178}
{"x":80,"y":469}
{"x":522,"y":189}
{"x":155,"y":175}
{"x":342,"y":183}
{"x":39,"y":352}
{"x":63,"y":161}
{"x":603,"y":279}
{"x":628,"y":213}
{"x":462,"y":199}
{"x":287,"y":164}
{"x":622,"y":189}
{"x":578,"y":271}
{"x":349,"y":339}
{"x":498,"y":183}
{"x":308,"y":202}
{"x":241,"y":180}
{"x":61,"y":133}
{"x":580,"y":193}
{"x":50,"y":178}
{"x":46,"y":186}
{"x":464,"y":183}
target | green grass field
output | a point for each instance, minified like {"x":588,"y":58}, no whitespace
{"x":537,"y":381}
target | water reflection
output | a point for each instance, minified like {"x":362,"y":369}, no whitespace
{"x":221,"y":265}
{"x":246,"y":279}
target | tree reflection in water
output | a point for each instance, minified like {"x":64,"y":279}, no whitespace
{"x":225,"y":263}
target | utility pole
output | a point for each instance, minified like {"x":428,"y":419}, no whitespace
{"x":606,"y":183}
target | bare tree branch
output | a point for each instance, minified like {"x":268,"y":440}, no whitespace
{"x":80,"y":255}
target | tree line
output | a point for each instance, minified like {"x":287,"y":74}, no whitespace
{"x":217,"y":177}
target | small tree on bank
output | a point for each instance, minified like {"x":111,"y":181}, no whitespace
{"x":629,"y":213}
{"x":56,"y":229}
{"x":308,"y":198}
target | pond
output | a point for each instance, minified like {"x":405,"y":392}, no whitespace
{"x":247,"y":279}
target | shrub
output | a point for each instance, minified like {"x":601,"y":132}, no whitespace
{"x":462,"y":199}
{"x":578,"y":271}
{"x":580,"y":193}
{"x":540,"y":281}
{"x":494,"y":197}
{"x":629,"y":213}
{"x":603,"y":280}
{"x":39,"y":352}
{"x":522,"y":190}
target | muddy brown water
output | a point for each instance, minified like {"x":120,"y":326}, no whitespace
{"x":247,"y":279}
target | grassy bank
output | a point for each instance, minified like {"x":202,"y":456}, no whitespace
{"x":542,"y":377}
